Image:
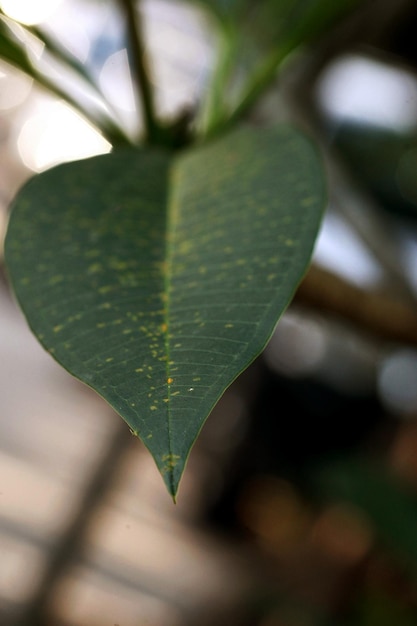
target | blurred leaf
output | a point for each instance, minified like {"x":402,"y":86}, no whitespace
{"x":388,"y":503}
{"x":384,"y":161}
{"x":13,"y":50}
{"x":263,"y":34}
{"x":378,"y":609}
{"x":222,"y":9}
{"x":255,"y":39}
{"x":156,"y":280}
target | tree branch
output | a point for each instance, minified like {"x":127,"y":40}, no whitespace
{"x":374,"y":312}
{"x":140,"y":67}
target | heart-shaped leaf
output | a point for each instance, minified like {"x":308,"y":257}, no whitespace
{"x":156,"y":279}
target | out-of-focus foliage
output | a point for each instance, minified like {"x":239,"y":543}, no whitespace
{"x":256,"y":37}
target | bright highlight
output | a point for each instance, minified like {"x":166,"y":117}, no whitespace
{"x":29,"y":12}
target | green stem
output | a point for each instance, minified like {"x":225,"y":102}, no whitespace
{"x":64,"y":57}
{"x":109,"y":129}
{"x":304,"y":27}
{"x":140,"y":66}
{"x":259,"y":82}
{"x":14,"y":51}
{"x":212,"y":112}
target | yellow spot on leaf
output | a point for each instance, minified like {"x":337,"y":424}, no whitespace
{"x":308,"y":201}
{"x":169,"y":461}
{"x":92,"y":253}
{"x":105,"y":289}
{"x":57,"y":328}
{"x":116,"y":264}
{"x":54,"y":280}
{"x":185,"y":247}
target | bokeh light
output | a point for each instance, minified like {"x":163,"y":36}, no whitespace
{"x":14,"y":87}
{"x":56,"y":133}
{"x":366,"y":90}
{"x":397,"y":382}
{"x":29,"y":12}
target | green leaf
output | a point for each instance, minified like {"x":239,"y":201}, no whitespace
{"x":12,"y":49}
{"x":156,"y":279}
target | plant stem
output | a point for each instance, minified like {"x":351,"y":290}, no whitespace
{"x":212,"y":112}
{"x":60,"y":54}
{"x":14,"y":51}
{"x":103,"y":122}
{"x":254,"y":88}
{"x":140,"y":67}
{"x":380,"y":315}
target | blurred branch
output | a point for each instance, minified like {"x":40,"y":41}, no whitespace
{"x":360,"y":28}
{"x":60,"y":53}
{"x":212,"y":110}
{"x":139,"y":63}
{"x":15,"y":49}
{"x":67,"y":550}
{"x":373,"y":312}
{"x":374,"y":227}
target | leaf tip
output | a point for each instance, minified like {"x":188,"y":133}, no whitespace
{"x":171,"y":469}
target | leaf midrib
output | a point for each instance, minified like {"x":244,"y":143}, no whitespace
{"x":171,"y":221}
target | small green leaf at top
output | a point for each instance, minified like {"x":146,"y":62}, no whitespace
{"x":157,"y":278}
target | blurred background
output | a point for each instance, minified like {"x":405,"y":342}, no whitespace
{"x":299,"y":503}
